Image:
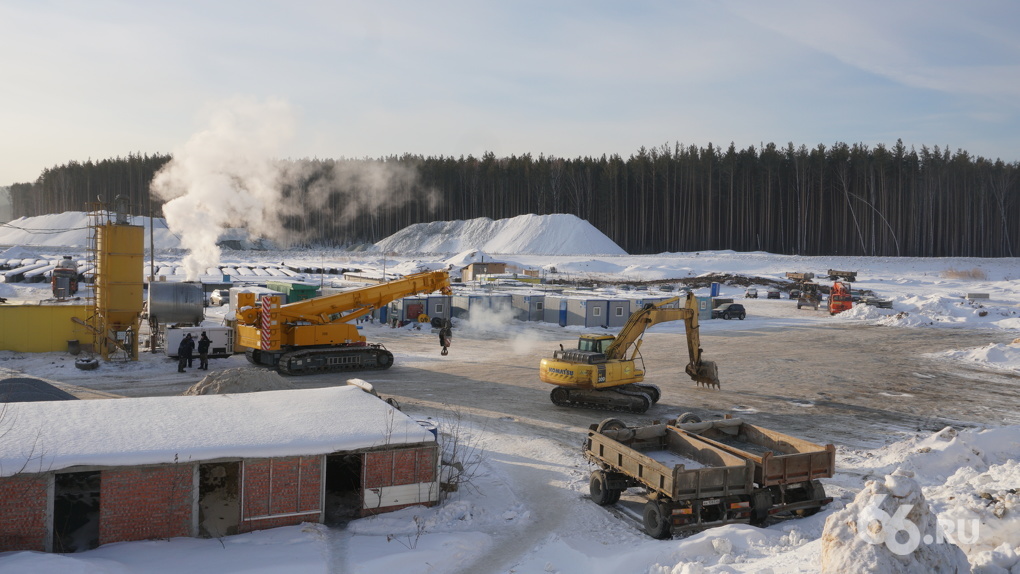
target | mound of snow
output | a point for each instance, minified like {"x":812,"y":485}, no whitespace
{"x":995,"y":356}
{"x":239,"y":380}
{"x":889,"y":528}
{"x":557,"y":234}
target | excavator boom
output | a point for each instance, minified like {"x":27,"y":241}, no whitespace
{"x":611,"y":379}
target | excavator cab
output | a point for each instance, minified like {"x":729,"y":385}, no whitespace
{"x":595,"y":343}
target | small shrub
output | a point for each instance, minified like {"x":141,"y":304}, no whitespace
{"x":974,"y":273}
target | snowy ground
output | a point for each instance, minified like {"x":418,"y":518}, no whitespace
{"x":526,"y":509}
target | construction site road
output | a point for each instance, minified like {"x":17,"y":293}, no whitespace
{"x":848,"y":384}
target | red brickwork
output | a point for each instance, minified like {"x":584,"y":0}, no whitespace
{"x":145,"y":503}
{"x":23,"y":513}
{"x":277,"y":486}
{"x":400,"y":466}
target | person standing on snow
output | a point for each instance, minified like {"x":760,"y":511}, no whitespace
{"x":184,"y":351}
{"x":203,"y":352}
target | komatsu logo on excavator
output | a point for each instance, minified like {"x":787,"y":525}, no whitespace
{"x":565,"y":372}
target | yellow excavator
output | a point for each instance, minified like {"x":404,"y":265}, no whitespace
{"x":602,"y":373}
{"x":317,"y":335}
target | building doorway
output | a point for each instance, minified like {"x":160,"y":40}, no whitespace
{"x":343,"y":488}
{"x":76,"y":511}
{"x":219,"y":500}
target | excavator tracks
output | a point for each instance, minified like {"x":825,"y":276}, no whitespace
{"x":632,"y":398}
{"x":334,"y":360}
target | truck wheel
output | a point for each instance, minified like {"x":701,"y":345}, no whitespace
{"x":688,"y":418}
{"x":601,"y":494}
{"x":761,"y":502}
{"x":656,"y":520}
{"x":610,"y":424}
{"x":812,"y":491}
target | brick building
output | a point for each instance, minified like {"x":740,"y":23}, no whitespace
{"x":78,"y":474}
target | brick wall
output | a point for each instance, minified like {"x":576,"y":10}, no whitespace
{"x":145,"y":503}
{"x":23,"y":521}
{"x":400,"y":466}
{"x":281,"y":486}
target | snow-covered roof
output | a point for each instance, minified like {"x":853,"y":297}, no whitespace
{"x":50,"y":436}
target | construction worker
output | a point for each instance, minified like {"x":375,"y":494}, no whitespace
{"x":203,"y":352}
{"x":184,"y":351}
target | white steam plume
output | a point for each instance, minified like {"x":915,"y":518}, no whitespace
{"x":228,"y":176}
{"x":225,"y":177}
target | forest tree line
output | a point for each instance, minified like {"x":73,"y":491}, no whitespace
{"x":837,"y":200}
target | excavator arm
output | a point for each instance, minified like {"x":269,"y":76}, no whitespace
{"x":703,"y":372}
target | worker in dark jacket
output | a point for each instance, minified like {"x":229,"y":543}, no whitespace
{"x":203,"y":352}
{"x":184,"y":351}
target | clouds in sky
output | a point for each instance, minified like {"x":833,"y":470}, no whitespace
{"x":106,"y":78}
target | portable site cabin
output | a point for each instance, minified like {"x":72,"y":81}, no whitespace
{"x":555,"y":310}
{"x":591,"y":312}
{"x":637,"y":304}
{"x":618,"y":311}
{"x":107,"y":474}
{"x":409,"y":308}
{"x":528,"y":307}
{"x":465,"y":305}
{"x":294,"y":291}
{"x":222,"y":345}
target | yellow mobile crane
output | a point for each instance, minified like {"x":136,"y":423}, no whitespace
{"x":317,"y":335}
{"x":601,"y":373}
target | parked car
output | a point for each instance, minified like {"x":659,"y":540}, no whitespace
{"x":794,"y":293}
{"x":751,"y":293}
{"x":729,"y":311}
{"x":219,"y":297}
{"x":773,"y":293}
{"x":666,"y":287}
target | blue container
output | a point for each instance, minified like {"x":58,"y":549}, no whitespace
{"x":715,"y":290}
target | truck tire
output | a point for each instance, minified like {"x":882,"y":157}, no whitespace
{"x":600,"y":493}
{"x":610,"y":424}
{"x":656,"y":520}
{"x":688,"y":418}
{"x":812,"y":491}
{"x":761,"y":503}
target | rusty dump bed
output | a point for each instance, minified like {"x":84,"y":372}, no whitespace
{"x":779,"y":459}
{"x":715,"y":472}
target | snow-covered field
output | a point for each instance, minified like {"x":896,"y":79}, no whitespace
{"x":968,"y":477}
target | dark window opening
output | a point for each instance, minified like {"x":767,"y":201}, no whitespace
{"x":343,"y":488}
{"x":219,"y":500}
{"x":76,"y":511}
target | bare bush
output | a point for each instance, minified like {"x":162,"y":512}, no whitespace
{"x":974,"y":273}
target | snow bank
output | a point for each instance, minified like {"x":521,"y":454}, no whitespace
{"x":993,"y":356}
{"x":558,"y":234}
{"x":889,"y":528}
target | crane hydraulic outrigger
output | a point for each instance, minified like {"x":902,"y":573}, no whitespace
{"x":317,"y":335}
{"x":601,"y":373}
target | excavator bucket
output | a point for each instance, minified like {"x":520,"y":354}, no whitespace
{"x":704,"y":373}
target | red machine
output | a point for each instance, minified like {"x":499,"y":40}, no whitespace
{"x":841,"y":294}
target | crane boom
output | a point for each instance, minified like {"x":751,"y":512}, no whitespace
{"x":316,"y":335}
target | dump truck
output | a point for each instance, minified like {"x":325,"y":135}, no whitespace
{"x":841,"y":292}
{"x":696,"y":474}
{"x":605,"y":371}
{"x":318,"y":335}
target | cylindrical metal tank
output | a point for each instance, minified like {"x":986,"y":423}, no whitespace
{"x":175,"y":303}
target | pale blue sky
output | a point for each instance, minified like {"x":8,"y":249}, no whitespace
{"x":100,"y":79}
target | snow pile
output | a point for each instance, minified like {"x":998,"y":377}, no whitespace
{"x":239,"y":380}
{"x":72,"y":229}
{"x":994,"y":356}
{"x":889,"y":528}
{"x":557,"y":234}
